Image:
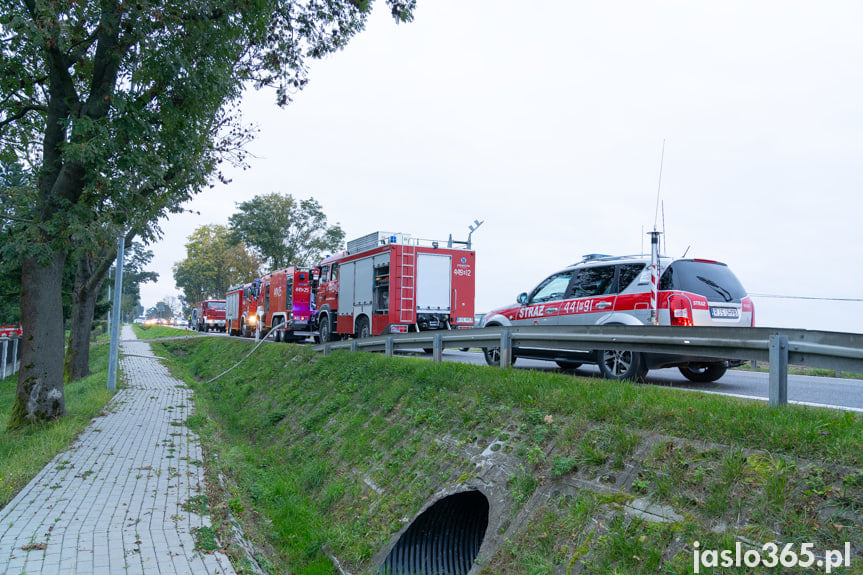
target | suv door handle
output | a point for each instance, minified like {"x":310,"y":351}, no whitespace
{"x":603,"y":304}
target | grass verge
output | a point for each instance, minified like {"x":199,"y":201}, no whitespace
{"x":333,"y":454}
{"x":23,"y":453}
{"x":159,"y":331}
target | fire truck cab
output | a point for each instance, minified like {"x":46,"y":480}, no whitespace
{"x":241,"y":304}
{"x":285,"y":301}
{"x":392,"y":283}
{"x":209,"y":315}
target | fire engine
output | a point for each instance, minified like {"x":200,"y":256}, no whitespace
{"x":392,"y":283}
{"x":241,"y":306}
{"x":285,"y":300}
{"x":11,"y":331}
{"x":209,"y":315}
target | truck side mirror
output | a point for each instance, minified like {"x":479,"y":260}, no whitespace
{"x":522,"y":298}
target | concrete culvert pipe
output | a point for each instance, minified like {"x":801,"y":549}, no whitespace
{"x":444,"y":540}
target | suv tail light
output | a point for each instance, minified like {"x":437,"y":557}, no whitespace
{"x":749,"y":308}
{"x":680,"y":310}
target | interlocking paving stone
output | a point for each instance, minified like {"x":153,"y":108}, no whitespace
{"x":117,"y":505}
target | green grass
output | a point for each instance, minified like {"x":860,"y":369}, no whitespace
{"x":159,"y":331}
{"x":764,"y":367}
{"x":334,"y":452}
{"x":23,"y":453}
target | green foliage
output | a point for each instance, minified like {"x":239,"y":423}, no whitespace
{"x":563,"y":465}
{"x":213,"y":263}
{"x":15,"y":192}
{"x":135,"y":260}
{"x":285,"y":231}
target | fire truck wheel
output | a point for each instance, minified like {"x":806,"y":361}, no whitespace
{"x":363,"y":329}
{"x":619,"y":365}
{"x":244,"y":329}
{"x":325,"y":329}
{"x":705,"y":373}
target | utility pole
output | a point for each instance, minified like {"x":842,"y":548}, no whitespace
{"x":115,"y":328}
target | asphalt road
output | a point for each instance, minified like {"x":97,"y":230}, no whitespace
{"x":831,"y":392}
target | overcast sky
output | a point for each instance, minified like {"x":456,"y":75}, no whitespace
{"x":547,"y":119}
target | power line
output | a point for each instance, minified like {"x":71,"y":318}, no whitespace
{"x":806,"y":297}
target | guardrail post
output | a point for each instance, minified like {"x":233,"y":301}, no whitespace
{"x":326,"y":348}
{"x":778,"y":370}
{"x":16,"y":354}
{"x":3,"y":364}
{"x":389,"y":346}
{"x":437,"y":349}
{"x":506,"y":349}
{"x":355,"y":345}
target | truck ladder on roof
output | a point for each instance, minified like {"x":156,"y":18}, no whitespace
{"x":407,"y":307}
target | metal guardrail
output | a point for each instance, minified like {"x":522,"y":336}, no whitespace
{"x":779,"y":347}
{"x":10,"y":356}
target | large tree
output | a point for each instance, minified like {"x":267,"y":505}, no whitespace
{"x":213,"y":263}
{"x":117,"y":108}
{"x":285,"y":231}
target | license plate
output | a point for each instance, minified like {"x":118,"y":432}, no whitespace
{"x":724,"y":312}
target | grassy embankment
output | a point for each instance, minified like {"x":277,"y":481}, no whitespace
{"x":331,"y":455}
{"x":160,"y":331}
{"x":23,"y":453}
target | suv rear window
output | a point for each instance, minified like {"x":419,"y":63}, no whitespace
{"x":715,"y":281}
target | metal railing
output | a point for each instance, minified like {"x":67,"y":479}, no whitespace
{"x":10,"y":356}
{"x":778,"y":347}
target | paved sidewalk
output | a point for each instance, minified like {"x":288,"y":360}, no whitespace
{"x":114,"y":503}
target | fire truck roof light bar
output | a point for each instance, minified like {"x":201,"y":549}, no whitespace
{"x":380,"y":239}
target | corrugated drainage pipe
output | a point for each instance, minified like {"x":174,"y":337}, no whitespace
{"x":444,"y":539}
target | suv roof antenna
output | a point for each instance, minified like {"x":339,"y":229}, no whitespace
{"x":654,"y":250}
{"x":659,"y":186}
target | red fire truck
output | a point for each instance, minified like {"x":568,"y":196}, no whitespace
{"x":286,"y":300}
{"x":209,"y":315}
{"x":392,"y":283}
{"x":11,"y":331}
{"x":241,"y":307}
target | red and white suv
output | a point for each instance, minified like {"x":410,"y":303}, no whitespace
{"x":606,"y":290}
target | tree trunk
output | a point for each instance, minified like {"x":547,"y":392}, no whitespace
{"x":39,"y":396}
{"x":93,"y":268}
{"x":87,"y":287}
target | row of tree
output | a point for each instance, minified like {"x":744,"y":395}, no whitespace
{"x":119,"y":112}
{"x":268,"y":232}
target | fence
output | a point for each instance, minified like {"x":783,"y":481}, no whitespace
{"x":779,"y":347}
{"x":10,"y":356}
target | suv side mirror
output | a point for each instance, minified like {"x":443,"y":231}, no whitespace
{"x":522,"y":298}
